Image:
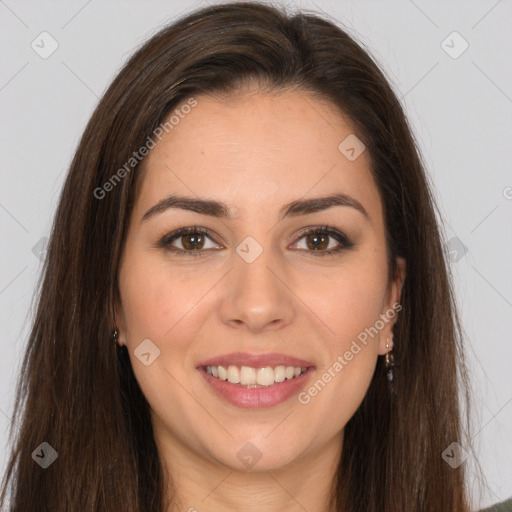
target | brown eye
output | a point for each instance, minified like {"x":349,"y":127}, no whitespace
{"x":317,"y":240}
{"x":191,"y":239}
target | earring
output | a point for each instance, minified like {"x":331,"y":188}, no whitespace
{"x":390,"y":361}
{"x":115,"y":336}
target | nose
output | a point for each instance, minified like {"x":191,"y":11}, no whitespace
{"x":257,"y":295}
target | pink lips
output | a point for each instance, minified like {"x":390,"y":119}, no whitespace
{"x":263,"y":397}
{"x":255,"y":360}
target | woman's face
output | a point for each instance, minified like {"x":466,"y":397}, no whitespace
{"x":255,"y":286}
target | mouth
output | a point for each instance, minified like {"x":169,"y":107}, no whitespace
{"x":256,"y":381}
{"x":250,"y":378}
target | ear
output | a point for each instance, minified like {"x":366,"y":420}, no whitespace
{"x":392,"y":307}
{"x":119,"y":321}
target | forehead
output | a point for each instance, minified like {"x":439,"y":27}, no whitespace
{"x":256,"y":151}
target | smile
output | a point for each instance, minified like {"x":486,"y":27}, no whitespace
{"x":249,"y":377}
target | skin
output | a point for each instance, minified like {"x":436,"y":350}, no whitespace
{"x":255,"y":152}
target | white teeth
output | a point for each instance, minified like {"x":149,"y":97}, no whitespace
{"x":255,"y":377}
{"x":279,"y":373}
{"x":233,"y":375}
{"x":223,"y":373}
{"x":265,"y":376}
{"x":247,"y":376}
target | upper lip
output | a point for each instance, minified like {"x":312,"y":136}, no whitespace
{"x":255,"y":360}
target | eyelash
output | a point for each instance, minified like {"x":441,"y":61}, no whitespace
{"x":165,"y":241}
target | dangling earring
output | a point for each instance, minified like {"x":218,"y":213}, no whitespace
{"x":390,"y":361}
{"x":115,"y":336}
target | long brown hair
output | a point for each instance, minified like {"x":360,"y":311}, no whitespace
{"x":81,"y":397}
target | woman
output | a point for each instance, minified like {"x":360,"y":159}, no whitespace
{"x":247,"y":218}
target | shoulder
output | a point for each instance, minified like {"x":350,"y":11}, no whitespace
{"x":505,"y":506}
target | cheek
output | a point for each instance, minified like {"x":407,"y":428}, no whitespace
{"x":145,"y":308}
{"x":351,"y":308}
{"x":350,"y":300}
{"x":155,"y":297}
{"x":158,"y":305}
{"x":349,"y":353}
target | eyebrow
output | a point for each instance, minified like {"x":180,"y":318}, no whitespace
{"x":221,"y":210}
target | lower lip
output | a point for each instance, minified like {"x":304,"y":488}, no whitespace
{"x":257,"y":398}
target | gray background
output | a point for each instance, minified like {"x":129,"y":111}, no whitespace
{"x":460,"y":109}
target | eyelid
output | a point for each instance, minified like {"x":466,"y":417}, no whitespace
{"x":165,"y":241}
{"x":342,"y":239}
